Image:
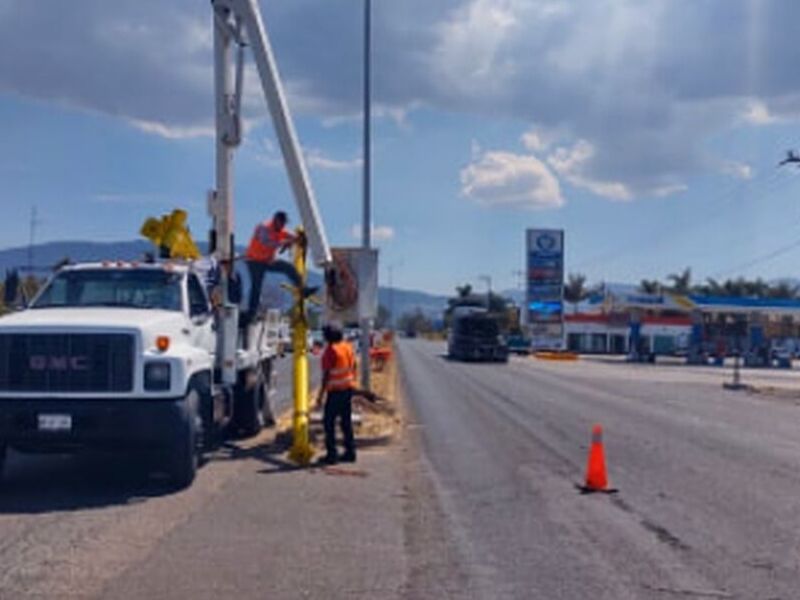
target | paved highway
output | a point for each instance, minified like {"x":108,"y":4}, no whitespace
{"x":477,"y":500}
{"x":708,"y":482}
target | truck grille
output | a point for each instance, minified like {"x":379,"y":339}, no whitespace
{"x":66,"y":362}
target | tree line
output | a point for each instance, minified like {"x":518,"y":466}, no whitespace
{"x":576,"y":289}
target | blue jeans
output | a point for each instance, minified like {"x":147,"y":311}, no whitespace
{"x":339,"y":404}
{"x":257,"y":271}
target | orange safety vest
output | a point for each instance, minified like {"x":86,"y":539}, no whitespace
{"x":341,"y":362}
{"x":258,"y":250}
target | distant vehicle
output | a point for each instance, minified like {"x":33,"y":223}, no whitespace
{"x":519,"y":344}
{"x":475,"y":335}
{"x":316,"y":340}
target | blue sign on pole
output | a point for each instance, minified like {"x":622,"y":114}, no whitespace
{"x":545,"y":287}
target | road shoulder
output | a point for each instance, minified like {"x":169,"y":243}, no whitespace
{"x":282,"y":532}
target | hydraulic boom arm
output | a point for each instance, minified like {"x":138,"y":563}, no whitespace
{"x":240,"y":22}
{"x":237,"y":24}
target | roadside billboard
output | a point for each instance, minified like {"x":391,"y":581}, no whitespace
{"x":544,"y":305}
{"x":356,"y":295}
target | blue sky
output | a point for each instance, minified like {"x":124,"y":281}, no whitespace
{"x":650,"y":131}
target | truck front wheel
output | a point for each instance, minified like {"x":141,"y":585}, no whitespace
{"x":184,"y":453}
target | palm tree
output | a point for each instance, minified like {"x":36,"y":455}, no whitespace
{"x":464,"y":291}
{"x":782,"y":290}
{"x":575,"y":290}
{"x":712,"y":288}
{"x":649,"y":286}
{"x":759,"y":288}
{"x":681,"y":282}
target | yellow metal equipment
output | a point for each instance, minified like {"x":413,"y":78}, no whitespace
{"x":301,"y":452}
{"x":171,"y":234}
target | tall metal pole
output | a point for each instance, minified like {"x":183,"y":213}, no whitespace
{"x":366,"y":218}
{"x":221,"y":205}
{"x":391,"y":298}
{"x":488,"y":280}
{"x":32,"y":238}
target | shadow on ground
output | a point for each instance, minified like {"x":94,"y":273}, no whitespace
{"x":48,"y":483}
{"x":274,"y":454}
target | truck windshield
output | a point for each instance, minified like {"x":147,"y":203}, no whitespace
{"x":124,"y":288}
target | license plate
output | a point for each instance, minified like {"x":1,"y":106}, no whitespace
{"x":55,"y":422}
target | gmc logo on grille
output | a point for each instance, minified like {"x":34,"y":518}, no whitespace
{"x":41,"y":362}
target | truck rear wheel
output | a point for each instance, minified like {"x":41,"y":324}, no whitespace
{"x":184,"y":453}
{"x":253,"y":405}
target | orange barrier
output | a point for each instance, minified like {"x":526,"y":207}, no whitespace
{"x":596,"y":475}
{"x":379,"y":356}
{"x":550,"y":355}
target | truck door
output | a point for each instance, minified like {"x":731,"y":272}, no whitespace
{"x":201,"y":316}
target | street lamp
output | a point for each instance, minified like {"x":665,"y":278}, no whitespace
{"x":366,"y":217}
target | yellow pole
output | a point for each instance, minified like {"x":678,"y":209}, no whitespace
{"x":301,"y":451}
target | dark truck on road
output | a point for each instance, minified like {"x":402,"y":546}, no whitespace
{"x":475,"y":335}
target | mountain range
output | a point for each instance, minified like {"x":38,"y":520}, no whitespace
{"x":42,"y":257}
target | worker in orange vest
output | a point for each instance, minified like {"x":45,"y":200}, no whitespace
{"x":339,"y":383}
{"x":270,"y":238}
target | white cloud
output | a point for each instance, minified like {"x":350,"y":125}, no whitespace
{"x":475,"y":149}
{"x":571,"y":164}
{"x":116,"y":198}
{"x":757,"y":113}
{"x":471,"y":41}
{"x":668,"y":190}
{"x":540,"y":139}
{"x":156,"y":201}
{"x":380,"y":233}
{"x":533,"y":141}
{"x":507,"y":179}
{"x":606,"y":71}
{"x":738,"y":170}
{"x":268,"y":154}
{"x":173,"y":132}
{"x":316,"y":159}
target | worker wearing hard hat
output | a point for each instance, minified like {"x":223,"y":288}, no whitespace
{"x":339,"y":383}
{"x":270,"y":238}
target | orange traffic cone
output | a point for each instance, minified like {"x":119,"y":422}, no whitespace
{"x":596,"y":475}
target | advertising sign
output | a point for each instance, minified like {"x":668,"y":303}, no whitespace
{"x":545,"y":287}
{"x":355,"y":297}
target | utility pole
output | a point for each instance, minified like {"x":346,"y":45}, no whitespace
{"x":32,"y":238}
{"x":488,"y":280}
{"x":519,"y":274}
{"x":391,"y":269}
{"x":391,"y":298}
{"x":366,"y":217}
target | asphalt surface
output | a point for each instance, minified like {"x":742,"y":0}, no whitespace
{"x":71,"y":525}
{"x":708,"y":503}
{"x":477,"y":499}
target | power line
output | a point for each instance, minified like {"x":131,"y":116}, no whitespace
{"x":764,"y":188}
{"x":760,"y":259}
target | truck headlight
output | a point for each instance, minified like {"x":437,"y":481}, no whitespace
{"x":157,"y":376}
